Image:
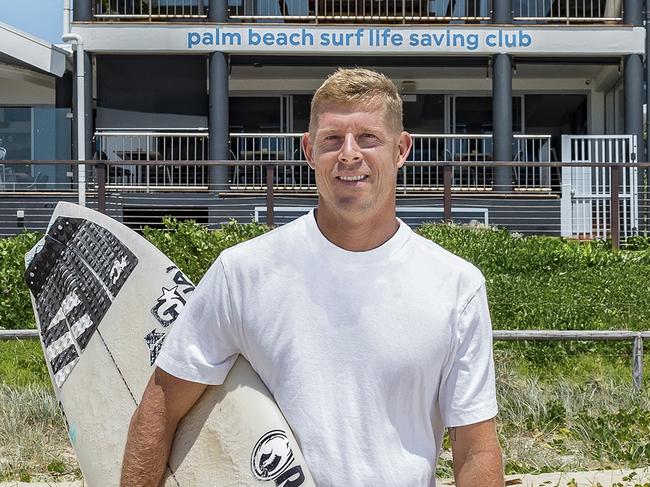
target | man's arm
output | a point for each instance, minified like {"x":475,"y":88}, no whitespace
{"x":165,"y":401}
{"x":476,"y":455}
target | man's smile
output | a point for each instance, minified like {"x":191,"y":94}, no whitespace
{"x":360,"y":177}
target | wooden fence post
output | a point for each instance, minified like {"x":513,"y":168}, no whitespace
{"x":100,"y":169}
{"x":446,"y":200}
{"x":269,"y":195}
{"x":637,"y":363}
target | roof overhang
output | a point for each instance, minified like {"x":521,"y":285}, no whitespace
{"x":25,"y":50}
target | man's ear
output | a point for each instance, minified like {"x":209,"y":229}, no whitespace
{"x":404,"y":145}
{"x":307,"y":148}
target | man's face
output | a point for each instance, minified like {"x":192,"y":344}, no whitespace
{"x":356,"y":155}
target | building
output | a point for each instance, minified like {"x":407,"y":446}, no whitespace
{"x":482,"y":80}
{"x":34,"y":125}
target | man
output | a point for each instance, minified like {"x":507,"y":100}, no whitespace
{"x":371,"y":339}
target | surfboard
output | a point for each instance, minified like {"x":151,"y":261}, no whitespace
{"x":104,"y":300}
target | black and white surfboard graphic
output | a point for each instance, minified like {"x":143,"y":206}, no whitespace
{"x":74,"y":277}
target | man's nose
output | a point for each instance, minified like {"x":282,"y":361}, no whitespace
{"x":350,"y":151}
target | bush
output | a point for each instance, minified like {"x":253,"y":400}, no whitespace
{"x":15,"y":303}
{"x":193,"y":248}
{"x":533,"y":282}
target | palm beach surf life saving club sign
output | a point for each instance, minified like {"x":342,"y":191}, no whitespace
{"x":412,"y":40}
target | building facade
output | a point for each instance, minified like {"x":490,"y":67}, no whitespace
{"x":483,"y":81}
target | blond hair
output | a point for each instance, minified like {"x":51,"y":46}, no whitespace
{"x":362,"y":87}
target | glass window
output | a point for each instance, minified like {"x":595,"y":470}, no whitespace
{"x":16,"y":133}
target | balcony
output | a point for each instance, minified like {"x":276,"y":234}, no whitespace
{"x":363,"y":11}
{"x":292,"y":175}
{"x":150,"y":10}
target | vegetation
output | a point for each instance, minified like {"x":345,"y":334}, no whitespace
{"x":15,"y":304}
{"x":563,"y":406}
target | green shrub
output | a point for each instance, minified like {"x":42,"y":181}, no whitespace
{"x":193,"y":248}
{"x":533,"y":282}
{"x":15,"y":303}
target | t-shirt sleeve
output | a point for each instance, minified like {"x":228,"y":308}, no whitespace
{"x":204,"y":341}
{"x":467,"y":392}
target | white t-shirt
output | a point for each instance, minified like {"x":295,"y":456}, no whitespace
{"x":369,"y":355}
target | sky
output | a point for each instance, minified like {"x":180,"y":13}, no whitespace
{"x":41,"y":18}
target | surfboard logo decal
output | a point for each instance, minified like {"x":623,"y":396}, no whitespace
{"x":117,"y":269}
{"x":271,"y":456}
{"x":173,"y":299}
{"x":155,"y":340}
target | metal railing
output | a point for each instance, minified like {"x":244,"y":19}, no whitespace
{"x":567,"y":11}
{"x":294,"y":175}
{"x":154,"y":146}
{"x":530,"y":213}
{"x":356,"y":11}
{"x":636,"y":337}
{"x":149,"y":10}
{"x":414,"y":177}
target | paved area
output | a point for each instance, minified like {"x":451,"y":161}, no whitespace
{"x":599,"y":478}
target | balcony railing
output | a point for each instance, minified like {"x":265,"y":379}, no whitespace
{"x":153,"y":146}
{"x":149,"y":10}
{"x":293,"y":175}
{"x":359,"y":11}
{"x":474,"y":148}
{"x":413,"y":178}
{"x":296,"y":175}
{"x":567,"y":11}
{"x":355,"y":11}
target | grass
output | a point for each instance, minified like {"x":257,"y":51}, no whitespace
{"x":580,"y":413}
{"x":33,"y":440}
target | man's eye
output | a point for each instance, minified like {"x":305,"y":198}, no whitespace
{"x":368,"y":136}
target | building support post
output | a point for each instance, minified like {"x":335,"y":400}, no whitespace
{"x":218,"y":103}
{"x":633,"y":73}
{"x":502,"y":120}
{"x":217,"y":11}
{"x":633,"y":91}
{"x":82,"y":10}
{"x":502,"y":12}
{"x":218,"y":119}
{"x":502,"y":103}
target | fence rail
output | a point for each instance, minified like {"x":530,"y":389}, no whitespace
{"x":530,"y":212}
{"x":636,"y":337}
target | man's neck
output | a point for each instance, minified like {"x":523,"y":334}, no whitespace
{"x":356,"y":234}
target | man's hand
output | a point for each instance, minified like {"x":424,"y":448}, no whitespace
{"x":165,"y":401}
{"x":477,"y":455}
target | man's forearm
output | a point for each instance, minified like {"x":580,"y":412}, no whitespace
{"x":147,"y":449}
{"x":483,"y":467}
